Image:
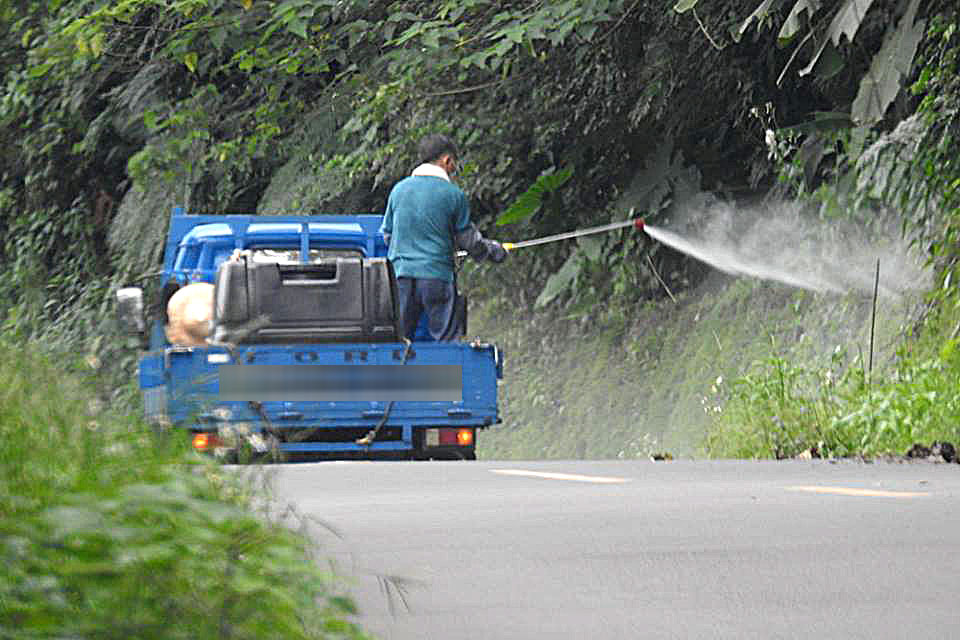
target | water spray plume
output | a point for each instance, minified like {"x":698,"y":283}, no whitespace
{"x":729,"y":261}
{"x":779,"y":244}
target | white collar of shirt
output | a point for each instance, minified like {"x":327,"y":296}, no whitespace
{"x":427,"y":169}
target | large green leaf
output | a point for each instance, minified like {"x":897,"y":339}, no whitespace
{"x":891,"y":64}
{"x":848,"y":19}
{"x":823,"y":121}
{"x":846,"y":23}
{"x":40,"y":69}
{"x":591,"y":247}
{"x":530,"y":200}
{"x":683,"y":6}
{"x":792,"y":24}
{"x":560,"y":281}
{"x":759,"y":14}
{"x":298,"y":27}
{"x":191,"y":61}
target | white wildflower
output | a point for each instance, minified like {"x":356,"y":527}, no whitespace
{"x":770,"y":138}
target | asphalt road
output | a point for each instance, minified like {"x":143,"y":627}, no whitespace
{"x":682,"y":549}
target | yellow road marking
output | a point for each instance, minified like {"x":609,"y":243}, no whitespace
{"x":869,"y":493}
{"x":560,"y":476}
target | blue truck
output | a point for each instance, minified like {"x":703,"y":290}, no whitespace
{"x":304,"y":357}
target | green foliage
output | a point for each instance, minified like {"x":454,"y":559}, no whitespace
{"x":196,"y":92}
{"x":845,"y":23}
{"x":210,"y":98}
{"x":791,"y":26}
{"x":931,"y":185}
{"x":761,"y":15}
{"x":528,"y":203}
{"x":560,"y":281}
{"x":890,"y":66}
{"x":780,"y":409}
{"x":111,"y":530}
{"x":213,"y":98}
{"x":878,"y":157}
{"x":878,"y":160}
{"x":830,"y":26}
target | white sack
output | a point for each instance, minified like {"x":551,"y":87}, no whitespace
{"x":190,"y":313}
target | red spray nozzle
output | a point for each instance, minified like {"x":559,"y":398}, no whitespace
{"x":638,"y":224}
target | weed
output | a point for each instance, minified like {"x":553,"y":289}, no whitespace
{"x":779,"y":409}
{"x":109,"y":529}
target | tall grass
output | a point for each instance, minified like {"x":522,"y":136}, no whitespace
{"x":778,"y":409}
{"x":110,"y":530}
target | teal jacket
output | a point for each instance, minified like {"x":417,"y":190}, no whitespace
{"x":423,"y":217}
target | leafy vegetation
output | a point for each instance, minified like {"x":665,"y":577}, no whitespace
{"x":110,"y":530}
{"x":580,"y":112}
{"x":782,"y":408}
{"x":143,"y":105}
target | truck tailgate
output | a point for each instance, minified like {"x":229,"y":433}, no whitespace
{"x":332,"y":415}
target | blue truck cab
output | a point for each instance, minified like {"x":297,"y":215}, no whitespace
{"x":304,"y":356}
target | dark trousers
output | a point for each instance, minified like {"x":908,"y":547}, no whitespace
{"x":430,"y":295}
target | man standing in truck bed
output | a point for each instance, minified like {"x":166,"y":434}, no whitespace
{"x":427,"y":220}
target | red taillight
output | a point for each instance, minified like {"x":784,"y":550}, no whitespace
{"x":205,"y":441}
{"x":449,"y":437}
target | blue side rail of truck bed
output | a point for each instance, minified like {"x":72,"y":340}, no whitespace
{"x":426,"y":399}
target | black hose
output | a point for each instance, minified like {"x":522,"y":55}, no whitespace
{"x":368,"y":439}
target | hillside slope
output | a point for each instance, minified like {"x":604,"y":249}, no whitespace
{"x":653,"y":381}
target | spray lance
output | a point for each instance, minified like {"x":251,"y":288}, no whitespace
{"x":636,"y":223}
